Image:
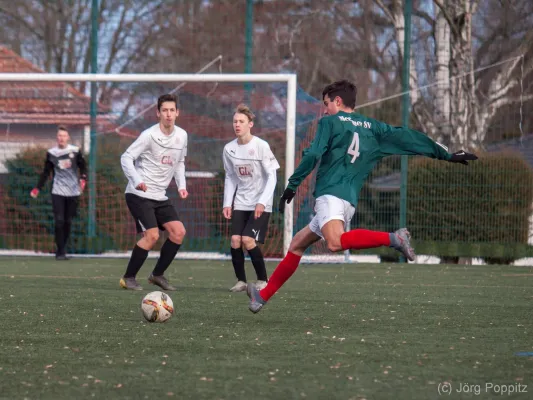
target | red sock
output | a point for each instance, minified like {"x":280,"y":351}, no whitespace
{"x":364,"y":239}
{"x":281,"y":274}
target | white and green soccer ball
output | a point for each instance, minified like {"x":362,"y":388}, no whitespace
{"x":157,"y":307}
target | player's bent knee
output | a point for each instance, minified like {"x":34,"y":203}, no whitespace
{"x":151,"y":238}
{"x":334,"y":247}
{"x":177,"y":235}
{"x":248,"y":242}
{"x":236,"y":242}
{"x":176,"y":231}
{"x":181,"y":233}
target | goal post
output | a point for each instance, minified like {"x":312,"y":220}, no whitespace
{"x":289,"y":79}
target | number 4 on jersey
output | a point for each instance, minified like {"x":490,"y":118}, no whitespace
{"x":353,"y":150}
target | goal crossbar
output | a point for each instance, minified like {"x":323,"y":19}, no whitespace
{"x":32,"y":77}
{"x":289,"y":79}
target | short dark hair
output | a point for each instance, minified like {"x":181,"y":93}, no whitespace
{"x":62,"y":128}
{"x":344,"y":89}
{"x":166,"y":97}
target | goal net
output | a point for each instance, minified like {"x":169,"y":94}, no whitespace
{"x":34,"y":105}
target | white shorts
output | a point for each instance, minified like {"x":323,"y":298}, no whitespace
{"x":328,"y":208}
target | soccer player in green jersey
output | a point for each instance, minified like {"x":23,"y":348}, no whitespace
{"x":349,"y":145}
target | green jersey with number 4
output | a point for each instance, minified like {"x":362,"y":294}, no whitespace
{"x":349,"y":145}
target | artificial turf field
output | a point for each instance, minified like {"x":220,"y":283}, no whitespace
{"x":340,"y":331}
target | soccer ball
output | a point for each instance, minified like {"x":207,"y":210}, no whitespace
{"x":157,"y":307}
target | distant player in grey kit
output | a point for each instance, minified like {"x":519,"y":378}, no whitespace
{"x":64,"y":161}
{"x":150,"y":164}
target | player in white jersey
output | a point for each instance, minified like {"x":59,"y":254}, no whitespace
{"x":250,"y":168}
{"x":150,"y":163}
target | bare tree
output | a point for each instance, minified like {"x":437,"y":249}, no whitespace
{"x":55,"y":35}
{"x":320,"y":41}
{"x":466,"y":35}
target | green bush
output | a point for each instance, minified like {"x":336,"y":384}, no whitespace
{"x":453,"y":211}
{"x":30,"y":221}
{"x":488,"y":202}
{"x":31,"y":225}
{"x":379,"y":209}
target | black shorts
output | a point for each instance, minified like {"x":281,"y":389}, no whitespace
{"x":243,"y":223}
{"x":149,"y":213}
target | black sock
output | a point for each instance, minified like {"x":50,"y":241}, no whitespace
{"x":60,"y":238}
{"x":237,"y":258}
{"x":66,"y":232}
{"x":168,"y":252}
{"x":138,"y":257}
{"x":259,"y":263}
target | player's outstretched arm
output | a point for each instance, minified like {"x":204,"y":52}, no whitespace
{"x":462,"y":157}
{"x":405,"y":141}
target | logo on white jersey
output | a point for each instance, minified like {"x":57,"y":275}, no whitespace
{"x":245,"y":170}
{"x":167,"y":160}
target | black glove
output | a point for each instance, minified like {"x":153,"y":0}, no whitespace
{"x":462,"y":157}
{"x":287,"y":196}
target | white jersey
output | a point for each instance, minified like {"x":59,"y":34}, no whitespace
{"x":251,"y":171}
{"x":155,"y":158}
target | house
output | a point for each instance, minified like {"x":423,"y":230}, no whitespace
{"x":30,"y":112}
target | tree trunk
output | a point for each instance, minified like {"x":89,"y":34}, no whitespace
{"x":460,"y":69}
{"x":443,"y":91}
